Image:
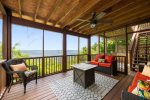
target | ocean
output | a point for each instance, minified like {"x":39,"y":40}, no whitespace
{"x":38,"y":53}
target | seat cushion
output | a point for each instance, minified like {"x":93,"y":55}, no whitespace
{"x":28,"y":73}
{"x":137,"y":77}
{"x":19,"y":67}
{"x":105,"y":64}
{"x":94,"y":62}
{"x":99,"y":56}
{"x":109,"y":59}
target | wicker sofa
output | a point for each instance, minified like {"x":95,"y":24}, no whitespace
{"x":126,"y":95}
{"x":107,"y":67}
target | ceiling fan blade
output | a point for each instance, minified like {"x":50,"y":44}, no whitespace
{"x":83,"y":20}
{"x":101,"y":15}
{"x":105,"y":21}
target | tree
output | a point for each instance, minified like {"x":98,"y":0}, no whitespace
{"x":17,"y":52}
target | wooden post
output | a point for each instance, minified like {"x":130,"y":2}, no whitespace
{"x":6,"y":40}
{"x":64,"y":60}
{"x":98,"y":44}
{"x":78,"y":49}
{"x":104,"y":45}
{"x":126,"y":62}
{"x":89,"y":48}
{"x":43,"y":61}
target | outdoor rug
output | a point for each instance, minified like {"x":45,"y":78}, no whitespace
{"x":66,"y":89}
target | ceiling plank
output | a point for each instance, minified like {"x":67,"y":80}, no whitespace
{"x":106,"y":6}
{"x":83,"y":10}
{"x":133,"y":18}
{"x":2,"y":9}
{"x":116,"y":9}
{"x":19,"y":4}
{"x":118,"y":14}
{"x":74,"y":6}
{"x":87,"y":24}
{"x":37,"y":9}
{"x":58,"y":2}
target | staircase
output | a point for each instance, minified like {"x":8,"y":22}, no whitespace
{"x":142,"y":51}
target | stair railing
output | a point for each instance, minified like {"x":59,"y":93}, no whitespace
{"x":132,"y":48}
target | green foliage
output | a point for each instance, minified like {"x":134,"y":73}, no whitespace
{"x":17,"y":52}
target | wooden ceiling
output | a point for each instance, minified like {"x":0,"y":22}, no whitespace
{"x":64,"y":13}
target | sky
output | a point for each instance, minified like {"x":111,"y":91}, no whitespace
{"x":0,"y":30}
{"x":31,"y":39}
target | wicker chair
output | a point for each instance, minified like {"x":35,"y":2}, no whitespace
{"x":22,"y":75}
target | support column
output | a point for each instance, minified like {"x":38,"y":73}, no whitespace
{"x":78,"y":49}
{"x":64,"y":60}
{"x":98,"y":44}
{"x":126,"y":60}
{"x":43,"y":61}
{"x":89,"y":48}
{"x":6,"y":40}
{"x":104,"y":44}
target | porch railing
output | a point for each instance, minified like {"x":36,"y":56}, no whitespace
{"x":53,"y":64}
{"x":121,"y":63}
{"x":74,"y":59}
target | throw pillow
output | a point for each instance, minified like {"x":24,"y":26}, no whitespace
{"x":101,"y":60}
{"x":146,"y":71}
{"x":18,"y":67}
{"x":142,"y":89}
{"x":148,"y":63}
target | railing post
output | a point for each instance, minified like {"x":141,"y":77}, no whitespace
{"x":64,"y":60}
{"x":43,"y":61}
{"x":89,"y":48}
{"x":126,"y":60}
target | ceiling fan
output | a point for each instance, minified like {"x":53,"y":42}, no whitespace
{"x":96,"y":18}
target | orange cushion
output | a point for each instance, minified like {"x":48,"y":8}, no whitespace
{"x":109,"y":59}
{"x":137,"y":77}
{"x":105,"y":64}
{"x":98,"y":57}
{"x":19,"y":67}
{"x":94,"y":62}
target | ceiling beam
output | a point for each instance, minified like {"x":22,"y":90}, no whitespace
{"x":37,"y":9}
{"x":19,"y":4}
{"x":29,"y":23}
{"x":58,"y":2}
{"x":116,"y":9}
{"x":131,"y":21}
{"x":106,"y":6}
{"x":123,"y":12}
{"x":85,"y":7}
{"x":73,"y":7}
{"x":2,"y":9}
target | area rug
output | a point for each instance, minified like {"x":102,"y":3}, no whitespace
{"x":66,"y":89}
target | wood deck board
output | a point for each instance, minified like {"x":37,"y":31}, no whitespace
{"x":42,"y":90}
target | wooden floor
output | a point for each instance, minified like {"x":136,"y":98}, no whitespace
{"x":42,"y":90}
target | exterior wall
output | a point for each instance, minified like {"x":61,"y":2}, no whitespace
{"x":2,"y":80}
